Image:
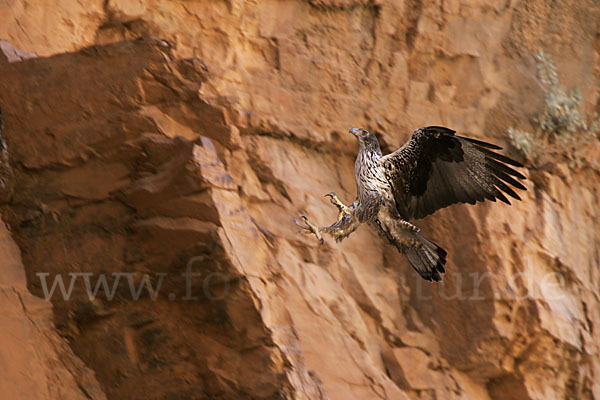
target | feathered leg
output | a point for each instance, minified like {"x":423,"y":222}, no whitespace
{"x":349,"y":218}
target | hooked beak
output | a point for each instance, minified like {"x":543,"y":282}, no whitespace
{"x":354,"y":131}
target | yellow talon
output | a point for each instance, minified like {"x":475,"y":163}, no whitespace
{"x":343,"y":209}
{"x":309,"y":228}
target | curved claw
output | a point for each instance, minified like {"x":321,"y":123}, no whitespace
{"x":331,"y":195}
{"x":300,"y":224}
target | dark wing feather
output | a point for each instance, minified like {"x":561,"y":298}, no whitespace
{"x":437,"y":168}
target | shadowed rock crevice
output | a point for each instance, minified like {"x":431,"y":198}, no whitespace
{"x":150,"y":213}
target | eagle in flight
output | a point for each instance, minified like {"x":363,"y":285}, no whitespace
{"x":433,"y":170}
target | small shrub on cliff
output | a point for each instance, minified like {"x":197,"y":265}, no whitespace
{"x":561,"y":129}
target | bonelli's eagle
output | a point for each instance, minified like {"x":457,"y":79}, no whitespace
{"x":433,"y":170}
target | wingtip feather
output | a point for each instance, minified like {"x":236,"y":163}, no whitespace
{"x":442,"y":128}
{"x":501,"y":157}
{"x":503,"y":198}
{"x":482,"y":143}
{"x":498,"y":166}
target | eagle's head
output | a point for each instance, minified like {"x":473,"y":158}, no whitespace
{"x":366,"y":140}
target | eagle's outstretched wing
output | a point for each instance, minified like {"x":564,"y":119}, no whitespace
{"x":436,"y":168}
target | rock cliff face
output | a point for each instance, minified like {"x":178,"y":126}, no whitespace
{"x":145,"y":161}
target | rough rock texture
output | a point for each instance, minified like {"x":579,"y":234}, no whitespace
{"x":35,"y":362}
{"x":149,"y":157}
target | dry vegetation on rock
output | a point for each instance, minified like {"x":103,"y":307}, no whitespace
{"x":561,"y":133}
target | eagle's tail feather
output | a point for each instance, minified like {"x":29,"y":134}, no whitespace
{"x":428,"y":259}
